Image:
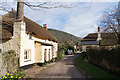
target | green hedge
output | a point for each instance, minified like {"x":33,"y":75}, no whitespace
{"x":94,"y":72}
{"x":111,"y":57}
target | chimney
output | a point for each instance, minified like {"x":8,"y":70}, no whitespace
{"x":98,"y":29}
{"x":45,"y":26}
{"x":20,"y":10}
{"x":99,"y":35}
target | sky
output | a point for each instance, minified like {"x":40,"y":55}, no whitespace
{"x":79,"y":20}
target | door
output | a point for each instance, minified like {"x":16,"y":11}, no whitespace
{"x":49,"y":55}
{"x":45,"y":54}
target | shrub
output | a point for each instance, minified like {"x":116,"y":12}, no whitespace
{"x":109,"y":59}
{"x":53,"y":59}
{"x":46,"y":63}
{"x":61,"y":53}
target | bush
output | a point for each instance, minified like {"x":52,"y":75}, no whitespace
{"x":53,"y":59}
{"x":94,"y":72}
{"x":109,"y":59}
{"x":61,"y":53}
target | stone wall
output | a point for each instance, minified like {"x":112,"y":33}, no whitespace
{"x":84,"y":47}
{"x":10,"y":44}
{"x":3,"y":67}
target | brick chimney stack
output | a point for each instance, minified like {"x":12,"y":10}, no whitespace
{"x":20,"y":10}
{"x":45,"y":26}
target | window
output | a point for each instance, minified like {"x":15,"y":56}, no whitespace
{"x":27,"y":54}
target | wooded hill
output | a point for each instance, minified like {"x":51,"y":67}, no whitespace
{"x":66,"y":38}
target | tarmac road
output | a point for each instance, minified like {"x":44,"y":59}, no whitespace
{"x":63,"y":68}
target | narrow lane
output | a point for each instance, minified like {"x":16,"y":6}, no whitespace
{"x":62,"y":69}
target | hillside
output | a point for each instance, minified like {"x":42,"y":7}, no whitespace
{"x":66,"y":38}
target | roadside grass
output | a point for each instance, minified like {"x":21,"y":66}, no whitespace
{"x":92,"y":70}
{"x":75,"y":52}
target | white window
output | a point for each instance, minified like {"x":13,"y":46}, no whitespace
{"x":27,"y":55}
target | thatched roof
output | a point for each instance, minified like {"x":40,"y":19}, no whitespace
{"x":5,"y":34}
{"x":107,"y":38}
{"x":31,"y":27}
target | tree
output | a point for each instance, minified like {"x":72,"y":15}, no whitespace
{"x":110,"y":22}
{"x":4,"y":6}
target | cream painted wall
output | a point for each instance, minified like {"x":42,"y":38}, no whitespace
{"x":38,"y":53}
{"x":55,"y":45}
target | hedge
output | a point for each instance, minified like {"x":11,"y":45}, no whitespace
{"x":108,"y":59}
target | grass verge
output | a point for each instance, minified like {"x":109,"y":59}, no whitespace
{"x":92,"y":70}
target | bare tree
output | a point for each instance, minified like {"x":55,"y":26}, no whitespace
{"x":4,"y":7}
{"x":50,"y":5}
{"x":110,"y":22}
{"x":40,"y":5}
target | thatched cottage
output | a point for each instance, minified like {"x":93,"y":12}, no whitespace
{"x":32,"y":41}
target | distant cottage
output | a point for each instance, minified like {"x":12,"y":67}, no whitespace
{"x":32,"y":41}
{"x":99,"y":39}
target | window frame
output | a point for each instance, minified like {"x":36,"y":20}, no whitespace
{"x":27,"y":56}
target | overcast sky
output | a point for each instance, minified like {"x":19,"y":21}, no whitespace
{"x":79,"y":20}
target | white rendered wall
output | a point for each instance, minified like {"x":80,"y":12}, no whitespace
{"x":26,"y":44}
{"x":47,"y":54}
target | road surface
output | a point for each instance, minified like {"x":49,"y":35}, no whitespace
{"x":63,"y":68}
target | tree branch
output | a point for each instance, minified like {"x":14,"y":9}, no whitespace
{"x":49,"y":5}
